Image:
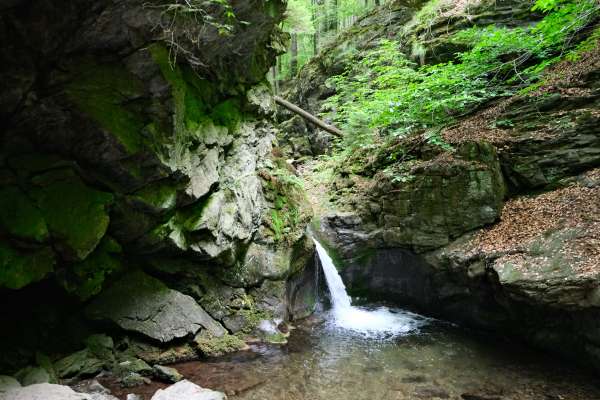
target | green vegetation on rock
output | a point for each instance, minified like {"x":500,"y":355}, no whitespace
{"x":20,"y":268}
{"x":102,"y":92}
{"x":85,"y":279}
{"x":20,"y":217}
{"x":76,"y":214}
{"x":213,"y":346}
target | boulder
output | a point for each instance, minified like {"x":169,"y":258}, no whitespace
{"x":143,"y":304}
{"x":43,"y":391}
{"x":186,"y":390}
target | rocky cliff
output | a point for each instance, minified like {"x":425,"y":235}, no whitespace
{"x":498,"y":228}
{"x":139,"y":192}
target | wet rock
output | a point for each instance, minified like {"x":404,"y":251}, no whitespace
{"x":143,"y":304}
{"x":186,"y":390}
{"x":133,"y":379}
{"x":132,"y":364}
{"x":212,"y":346}
{"x":94,"y":389}
{"x":167,"y":374}
{"x":43,"y":391}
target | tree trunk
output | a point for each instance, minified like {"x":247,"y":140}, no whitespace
{"x":309,"y":117}
{"x":294,"y":56}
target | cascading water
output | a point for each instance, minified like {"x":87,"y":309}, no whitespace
{"x":378,"y":323}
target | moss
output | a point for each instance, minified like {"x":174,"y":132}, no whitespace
{"x":212,"y":346}
{"x":197,"y":101}
{"x":101,"y":91}
{"x":20,"y":217}
{"x":76,"y":215}
{"x":18,"y":269}
{"x":227,"y":114}
{"x":85,"y":279}
{"x":160,"y":196}
{"x":276,"y":338}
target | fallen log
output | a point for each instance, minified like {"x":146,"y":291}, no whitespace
{"x":309,"y":117}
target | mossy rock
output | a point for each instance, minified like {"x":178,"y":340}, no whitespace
{"x":85,"y":279}
{"x":20,"y":217}
{"x":76,"y":214}
{"x":19,"y":268}
{"x":212,"y":346}
{"x":102,"y":92}
{"x":159,"y":197}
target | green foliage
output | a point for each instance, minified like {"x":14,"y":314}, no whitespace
{"x":385,"y":94}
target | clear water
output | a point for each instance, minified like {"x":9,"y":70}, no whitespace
{"x":439,"y":361}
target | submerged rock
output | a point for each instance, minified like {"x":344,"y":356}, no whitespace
{"x":186,"y":390}
{"x":145,"y":305}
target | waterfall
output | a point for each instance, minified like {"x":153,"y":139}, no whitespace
{"x":380,"y":322}
{"x":337,"y":289}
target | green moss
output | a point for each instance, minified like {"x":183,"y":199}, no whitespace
{"x":212,"y":346}
{"x":76,"y":215}
{"x":161,"y":196}
{"x":276,"y":338}
{"x":18,"y":269}
{"x":85,"y":279}
{"x":197,"y":101}
{"x":101,"y":91}
{"x":20,"y":217}
{"x":227,"y":114}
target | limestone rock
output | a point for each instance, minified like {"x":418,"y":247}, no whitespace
{"x":43,"y":391}
{"x":145,"y":305}
{"x":186,"y":390}
{"x":167,"y":374}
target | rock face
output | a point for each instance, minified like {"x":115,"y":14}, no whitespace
{"x":133,"y":135}
{"x":186,"y":390}
{"x":143,"y":304}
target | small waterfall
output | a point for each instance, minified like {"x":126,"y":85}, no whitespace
{"x":378,"y":322}
{"x":337,"y":289}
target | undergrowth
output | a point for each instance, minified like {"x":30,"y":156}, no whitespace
{"x":386,"y":95}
